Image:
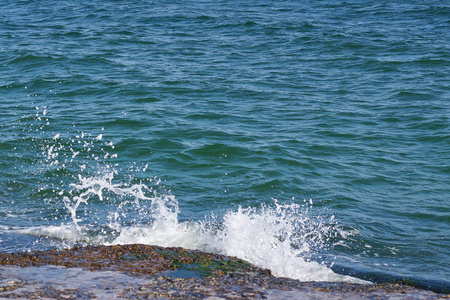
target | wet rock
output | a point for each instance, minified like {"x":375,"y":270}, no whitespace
{"x":149,"y":272}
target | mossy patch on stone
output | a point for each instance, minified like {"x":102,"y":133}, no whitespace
{"x":137,"y":259}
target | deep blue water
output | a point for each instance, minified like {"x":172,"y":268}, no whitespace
{"x":318,"y":130}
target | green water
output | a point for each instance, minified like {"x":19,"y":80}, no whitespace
{"x":340,"y":107}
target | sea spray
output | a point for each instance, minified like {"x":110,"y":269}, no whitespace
{"x":106,"y":206}
{"x":138,"y":213}
{"x":280,"y":237}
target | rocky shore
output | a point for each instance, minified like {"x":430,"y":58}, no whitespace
{"x":150,"y":272}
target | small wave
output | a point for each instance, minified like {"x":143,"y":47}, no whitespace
{"x":99,"y":205}
{"x":280,"y":237}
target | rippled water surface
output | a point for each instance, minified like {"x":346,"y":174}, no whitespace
{"x":308,"y":137}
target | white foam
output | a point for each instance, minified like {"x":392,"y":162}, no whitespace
{"x":68,"y":235}
{"x":278,"y":238}
{"x":176,"y":235}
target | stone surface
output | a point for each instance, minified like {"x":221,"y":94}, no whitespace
{"x":150,"y":272}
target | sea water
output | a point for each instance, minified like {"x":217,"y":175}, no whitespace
{"x":308,"y":137}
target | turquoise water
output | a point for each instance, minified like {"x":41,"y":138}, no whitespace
{"x":308,"y":137}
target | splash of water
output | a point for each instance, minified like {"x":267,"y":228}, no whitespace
{"x":281,"y":237}
{"x":106,"y":209}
